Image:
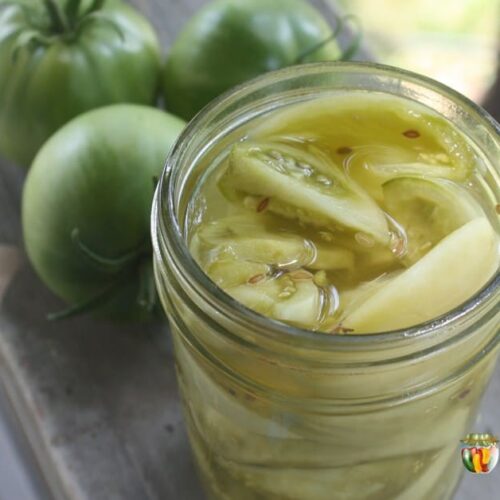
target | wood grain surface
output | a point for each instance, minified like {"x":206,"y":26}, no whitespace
{"x":99,"y":402}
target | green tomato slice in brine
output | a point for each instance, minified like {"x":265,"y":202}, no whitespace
{"x":428,"y":210}
{"x":454,"y":270}
{"x":293,"y":297}
{"x":304,"y":186}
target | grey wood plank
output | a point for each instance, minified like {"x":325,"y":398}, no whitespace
{"x":11,"y":182}
{"x":98,"y":401}
{"x":20,"y":476}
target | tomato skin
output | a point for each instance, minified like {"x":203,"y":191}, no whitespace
{"x":45,"y":85}
{"x":96,"y":174}
{"x":231,"y":41}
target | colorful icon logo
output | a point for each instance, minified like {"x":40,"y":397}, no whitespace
{"x":480,"y":453}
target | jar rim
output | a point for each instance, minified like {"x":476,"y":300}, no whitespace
{"x":169,"y":230}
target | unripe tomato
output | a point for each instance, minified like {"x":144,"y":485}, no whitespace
{"x":86,"y":208}
{"x":231,"y":41}
{"x":55,"y":65}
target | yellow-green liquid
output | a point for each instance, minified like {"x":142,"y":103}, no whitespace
{"x":347,"y":214}
{"x":392,"y":226}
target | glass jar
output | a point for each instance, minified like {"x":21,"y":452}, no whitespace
{"x":276,"y":412}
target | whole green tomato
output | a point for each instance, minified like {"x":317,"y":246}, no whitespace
{"x":60,"y":58}
{"x":231,"y":41}
{"x":86,"y":208}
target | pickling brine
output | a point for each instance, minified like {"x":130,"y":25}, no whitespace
{"x":328,"y":260}
{"x":359,"y":212}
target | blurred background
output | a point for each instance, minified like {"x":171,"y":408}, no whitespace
{"x":454,"y":41}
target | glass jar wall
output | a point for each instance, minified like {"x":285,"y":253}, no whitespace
{"x":276,"y":412}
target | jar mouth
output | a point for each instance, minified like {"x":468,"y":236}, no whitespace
{"x":167,"y":230}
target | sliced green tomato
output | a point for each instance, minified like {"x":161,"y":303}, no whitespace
{"x":351,"y":299}
{"x":270,"y":249}
{"x":303,"y":307}
{"x":254,"y":239}
{"x":231,"y":272}
{"x":395,"y":170}
{"x":447,"y":276}
{"x":247,"y":237}
{"x":428,"y":210}
{"x":371,"y":166}
{"x":288,"y":252}
{"x":379,"y":129}
{"x":306,"y":186}
{"x":220,"y":230}
{"x":293,"y":298}
{"x":260,"y":297}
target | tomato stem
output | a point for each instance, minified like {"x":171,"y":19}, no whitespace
{"x":72,"y":10}
{"x":103,"y":19}
{"x":25,"y":39}
{"x":146,"y":298}
{"x":353,"y":47}
{"x":338,"y":28}
{"x":349,"y":51}
{"x":94,"y":6}
{"x":111,"y":265}
{"x":64,"y":20}
{"x":57,"y":17}
{"x":86,"y":305}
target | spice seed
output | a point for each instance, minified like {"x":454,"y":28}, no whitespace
{"x":411,"y":134}
{"x":464,"y":393}
{"x":256,"y":278}
{"x":342,"y":329}
{"x":263,"y":205}
{"x":344,"y":150}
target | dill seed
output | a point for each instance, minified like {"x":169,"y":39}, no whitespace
{"x":411,"y":134}
{"x":255,"y":279}
{"x":342,"y":329}
{"x":263,"y":205}
{"x":344,"y":150}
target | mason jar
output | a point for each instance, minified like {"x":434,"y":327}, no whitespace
{"x":277,"y":412}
